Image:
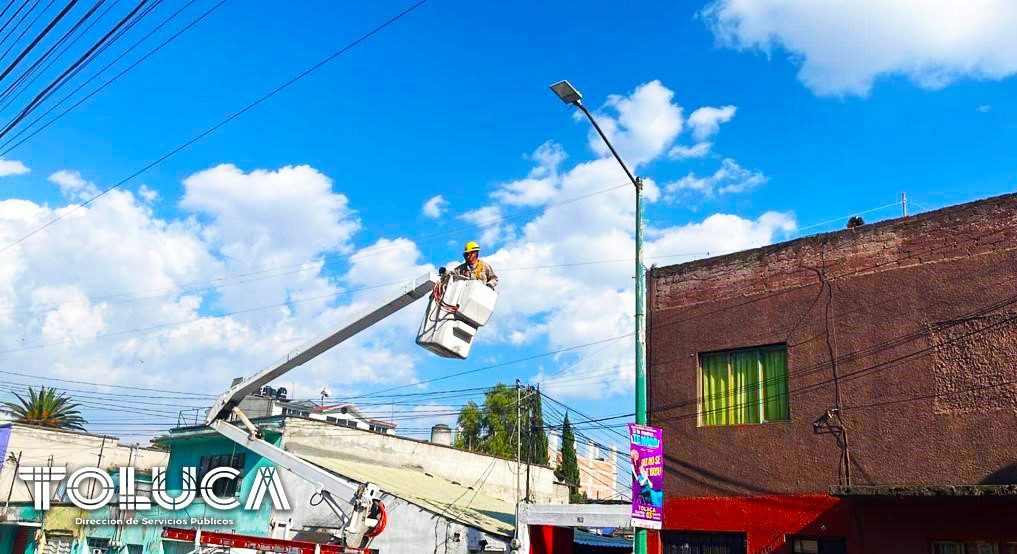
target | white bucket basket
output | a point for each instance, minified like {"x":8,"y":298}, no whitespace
{"x":454,"y":313}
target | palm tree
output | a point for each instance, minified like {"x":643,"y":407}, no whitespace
{"x":46,"y":409}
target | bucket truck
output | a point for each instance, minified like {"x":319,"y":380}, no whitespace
{"x":456,"y":308}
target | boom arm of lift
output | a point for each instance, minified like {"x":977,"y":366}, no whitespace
{"x":330,"y":487}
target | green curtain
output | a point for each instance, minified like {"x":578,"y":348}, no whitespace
{"x":775,"y":407}
{"x":745,"y":398}
{"x":744,"y":387}
{"x":715,"y":390}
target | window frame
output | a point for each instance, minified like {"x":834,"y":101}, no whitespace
{"x":700,"y":421}
{"x":221,"y":488}
{"x":791,"y":539}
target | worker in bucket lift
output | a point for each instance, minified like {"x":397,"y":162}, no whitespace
{"x":474,"y":267}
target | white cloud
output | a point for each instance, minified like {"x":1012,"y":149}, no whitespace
{"x":641,"y":125}
{"x":540,"y":186}
{"x":699,"y":150}
{"x":843,"y":46}
{"x":984,"y":108}
{"x":141,"y":306}
{"x":491,"y":223}
{"x":147,"y":194}
{"x":12,"y":167}
{"x":705,"y":121}
{"x":435,"y":206}
{"x":548,"y":157}
{"x":729,"y":178}
{"x":266,"y":219}
{"x":291,"y":211}
{"x":73,"y":185}
{"x":719,"y":234}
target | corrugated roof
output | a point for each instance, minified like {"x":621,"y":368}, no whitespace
{"x":455,"y":501}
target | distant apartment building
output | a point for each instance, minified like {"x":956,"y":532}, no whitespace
{"x":270,"y":402}
{"x":849,"y":392}
{"x":598,"y":468}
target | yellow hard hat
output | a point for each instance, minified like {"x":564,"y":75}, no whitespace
{"x":471,"y":247}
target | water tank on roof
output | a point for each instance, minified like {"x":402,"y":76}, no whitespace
{"x":456,"y":309}
{"x":441,"y":434}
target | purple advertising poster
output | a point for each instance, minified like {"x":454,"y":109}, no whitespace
{"x":647,"y":457}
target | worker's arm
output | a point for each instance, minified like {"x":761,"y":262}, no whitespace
{"x":490,"y":278}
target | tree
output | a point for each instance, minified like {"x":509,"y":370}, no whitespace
{"x":491,"y":428}
{"x":568,"y":471}
{"x":534,"y":437}
{"x":46,"y":409}
{"x":471,"y":424}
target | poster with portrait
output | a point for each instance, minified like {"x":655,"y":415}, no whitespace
{"x":646,"y":455}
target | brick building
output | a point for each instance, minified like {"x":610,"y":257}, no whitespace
{"x":849,"y":392}
{"x":598,"y":468}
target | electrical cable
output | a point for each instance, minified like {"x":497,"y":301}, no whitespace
{"x":218,"y":125}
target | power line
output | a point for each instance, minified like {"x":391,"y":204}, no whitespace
{"x":26,"y":80}
{"x":75,"y":67}
{"x":220,"y":124}
{"x":110,"y":81}
{"x":494,"y":366}
{"x":38,"y":38}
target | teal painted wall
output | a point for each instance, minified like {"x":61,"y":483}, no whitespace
{"x":7,"y":534}
{"x":188,"y":452}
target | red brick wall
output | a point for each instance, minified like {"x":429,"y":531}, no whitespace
{"x":916,"y":317}
{"x":958,"y":232}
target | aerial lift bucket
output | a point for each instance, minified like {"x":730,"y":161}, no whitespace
{"x":455,"y":310}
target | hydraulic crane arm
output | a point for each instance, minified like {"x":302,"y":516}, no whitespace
{"x":333,"y":489}
{"x":412,"y":291}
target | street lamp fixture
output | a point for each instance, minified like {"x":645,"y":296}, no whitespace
{"x":567,"y":92}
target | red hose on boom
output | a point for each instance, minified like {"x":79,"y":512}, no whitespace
{"x":382,"y":522}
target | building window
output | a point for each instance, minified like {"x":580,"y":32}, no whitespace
{"x":973,"y":547}
{"x":57,"y":544}
{"x":818,"y":546}
{"x":97,"y":545}
{"x":223,"y":488}
{"x":744,"y":386}
{"x":681,"y":542}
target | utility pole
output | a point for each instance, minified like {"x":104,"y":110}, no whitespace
{"x":568,"y":94}
{"x":529,"y":436}
{"x":519,"y":436}
{"x":519,"y":451}
{"x":904,"y":203}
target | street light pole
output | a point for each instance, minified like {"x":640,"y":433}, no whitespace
{"x":568,"y":94}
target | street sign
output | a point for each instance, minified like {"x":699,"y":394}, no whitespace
{"x":646,"y":457}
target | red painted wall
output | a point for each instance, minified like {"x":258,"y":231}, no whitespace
{"x":870,"y":525}
{"x":548,"y":539}
{"x":765,"y":519}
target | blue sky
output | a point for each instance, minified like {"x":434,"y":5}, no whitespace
{"x":828,"y":119}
